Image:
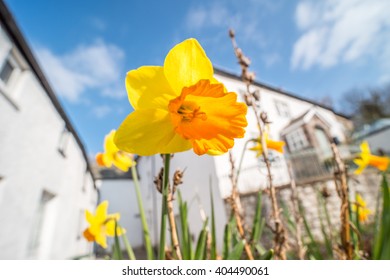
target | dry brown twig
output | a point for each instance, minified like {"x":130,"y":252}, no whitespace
{"x":340,"y":177}
{"x":296,"y":213}
{"x":250,"y":97}
{"x":235,"y":205}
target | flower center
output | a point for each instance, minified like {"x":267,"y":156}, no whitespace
{"x":189,"y":110}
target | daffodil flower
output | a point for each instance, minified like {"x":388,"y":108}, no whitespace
{"x":271,"y":145}
{"x":360,"y":207}
{"x":113,"y":156}
{"x":180,"y":106}
{"x":365,"y":158}
{"x":101,"y":225}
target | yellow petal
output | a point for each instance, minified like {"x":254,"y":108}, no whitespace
{"x":123,"y":161}
{"x":275,"y":145}
{"x":360,"y":201}
{"x":101,"y":240}
{"x":149,"y":131}
{"x":110,"y":229}
{"x":148,"y":88}
{"x":361,"y":165}
{"x":186,"y":64}
{"x":89,"y":217}
{"x":101,"y":211}
{"x":365,"y":148}
{"x":109,"y":145}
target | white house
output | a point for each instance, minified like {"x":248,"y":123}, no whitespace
{"x":294,"y":120}
{"x":45,"y":178}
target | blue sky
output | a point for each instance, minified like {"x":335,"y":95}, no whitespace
{"x":314,"y":49}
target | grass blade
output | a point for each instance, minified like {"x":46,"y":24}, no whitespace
{"x":201,"y":244}
{"x":129,"y":249}
{"x":236,"y":253}
{"x":213,"y":253}
{"x":257,"y":222}
{"x":117,"y":252}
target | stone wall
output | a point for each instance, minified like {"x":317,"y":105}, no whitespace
{"x":368,"y":184}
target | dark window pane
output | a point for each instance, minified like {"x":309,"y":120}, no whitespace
{"x":6,"y":71}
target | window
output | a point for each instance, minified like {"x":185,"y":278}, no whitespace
{"x":297,"y":140}
{"x":38,"y":222}
{"x":283,"y":109}
{"x":63,"y":143}
{"x":11,"y":68}
{"x":6,"y":71}
{"x":85,"y":180}
{"x":80,"y":224}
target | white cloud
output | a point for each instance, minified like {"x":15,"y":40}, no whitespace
{"x":101,"y":111}
{"x":244,"y":18}
{"x":271,"y":59}
{"x":201,"y":17}
{"x":336,"y":32}
{"x":96,"y":66}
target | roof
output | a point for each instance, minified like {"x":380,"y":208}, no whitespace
{"x":371,"y":129}
{"x":17,"y":37}
{"x":225,"y":73}
{"x":304,"y":118}
{"x":112,"y":173}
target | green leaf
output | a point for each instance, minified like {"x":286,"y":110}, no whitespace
{"x":213,"y":254}
{"x":145,"y":228}
{"x":236,"y":253}
{"x":227,"y":240}
{"x":267,"y":255}
{"x":184,"y":229}
{"x":201,"y":244}
{"x":382,"y":245}
{"x":328,"y":241}
{"x":257,"y":223}
{"x":129,"y":249}
{"x":117,"y":252}
{"x":313,"y":248}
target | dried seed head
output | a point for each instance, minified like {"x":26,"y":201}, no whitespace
{"x":231,"y":33}
{"x":178,"y":177}
{"x":248,"y":100}
{"x":264,"y":118}
{"x":256,"y":95}
{"x":325,"y":192}
{"x":158,"y":180}
{"x":250,"y":76}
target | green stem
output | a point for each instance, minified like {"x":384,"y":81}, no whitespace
{"x":164,"y":208}
{"x":129,"y":249}
{"x":242,"y":159}
{"x":148,"y":242}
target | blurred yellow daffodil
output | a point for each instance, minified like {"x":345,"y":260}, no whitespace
{"x":180,"y":106}
{"x":101,"y":225}
{"x":113,"y":156}
{"x":365,"y":158}
{"x":271,"y":144}
{"x":360,"y":207}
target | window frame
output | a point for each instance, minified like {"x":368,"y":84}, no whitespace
{"x":297,"y":140}
{"x":282,"y":108}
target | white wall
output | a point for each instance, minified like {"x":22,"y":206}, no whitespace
{"x":252,"y":177}
{"x":379,"y":140}
{"x":30,"y":163}
{"x":199,"y":176}
{"x":121,"y":195}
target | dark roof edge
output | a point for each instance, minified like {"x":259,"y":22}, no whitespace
{"x":16,"y":35}
{"x":234,"y":76}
